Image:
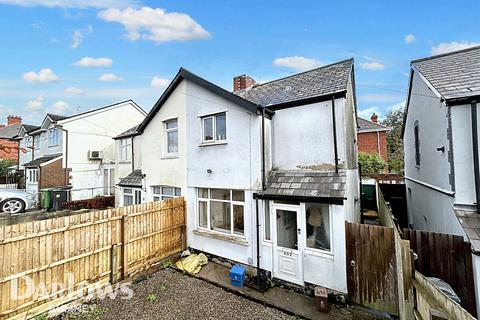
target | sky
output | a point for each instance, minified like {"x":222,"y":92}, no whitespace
{"x":66,"y":57}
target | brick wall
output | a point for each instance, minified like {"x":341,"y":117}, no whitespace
{"x":368,"y":143}
{"x":8,"y":150}
{"x":52,"y":175}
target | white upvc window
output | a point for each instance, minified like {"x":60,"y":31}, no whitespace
{"x":171,"y":137}
{"x":125,"y":149}
{"x":52,"y":137}
{"x":32,"y":175}
{"x":214,"y":128}
{"x":165,"y":192}
{"x":221,"y":210}
{"x":319,"y":227}
{"x":36,"y":142}
{"x":108,"y":181}
{"x":131,"y":196}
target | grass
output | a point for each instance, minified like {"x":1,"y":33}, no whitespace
{"x":152,"y":297}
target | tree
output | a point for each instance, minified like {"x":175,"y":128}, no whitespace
{"x":371,"y":163}
{"x":394,"y":120}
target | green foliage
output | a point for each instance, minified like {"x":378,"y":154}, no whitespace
{"x":151,"y":297}
{"x":166,"y":264}
{"x":87,"y":312}
{"x":42,"y":316}
{"x":371,"y":163}
{"x":4,"y":164}
{"x":162,"y":286}
{"x":394,"y":120}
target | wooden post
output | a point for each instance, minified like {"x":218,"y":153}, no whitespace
{"x":114,"y":262}
{"x":124,"y":246}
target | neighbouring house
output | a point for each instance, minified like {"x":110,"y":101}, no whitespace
{"x":440,"y":135}
{"x":275,"y":161}
{"x":76,"y":151}
{"x":372,"y":137}
{"x":9,"y":146}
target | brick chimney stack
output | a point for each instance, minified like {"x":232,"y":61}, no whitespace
{"x":243,"y":82}
{"x":13,"y":120}
{"x":374,"y":118}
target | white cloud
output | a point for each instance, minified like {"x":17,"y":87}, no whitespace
{"x":159,"y":83}
{"x":109,"y":77}
{"x":410,"y":38}
{"x":74,"y":90}
{"x":380,"y":97}
{"x":45,"y":75}
{"x":79,"y":4}
{"x":79,"y":35}
{"x":367,"y":112}
{"x":298,"y":63}
{"x":88,"y":62}
{"x":445,"y":47}
{"x":59,"y":107}
{"x":372,"y":66}
{"x":35,"y":105}
{"x":155,"y":25}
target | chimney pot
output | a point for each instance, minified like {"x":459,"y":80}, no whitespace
{"x":374,"y":117}
{"x":243,"y":82}
{"x":13,"y":120}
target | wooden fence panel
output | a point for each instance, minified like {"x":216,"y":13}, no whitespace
{"x":447,"y":257}
{"x":70,"y":253}
{"x":371,"y":268}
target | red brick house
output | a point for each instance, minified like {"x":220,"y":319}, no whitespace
{"x":372,"y":136}
{"x":8,"y":146}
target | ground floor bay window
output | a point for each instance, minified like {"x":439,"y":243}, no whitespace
{"x":221,"y":210}
{"x":131,"y":196}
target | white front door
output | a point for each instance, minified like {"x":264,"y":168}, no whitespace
{"x":288,"y":235}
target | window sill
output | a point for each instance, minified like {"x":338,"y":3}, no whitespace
{"x":318,"y":253}
{"x":173,"y":156}
{"x":207,"y":144}
{"x":124,"y":162}
{"x":223,"y":237}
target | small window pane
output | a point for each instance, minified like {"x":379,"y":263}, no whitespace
{"x":166,"y":197}
{"x":156,"y":190}
{"x":267,"y":221}
{"x":156,"y":198}
{"x":172,"y":141}
{"x":220,"y":216}
{"x":238,"y":195}
{"x":129,"y":191}
{"x":221,"y":126}
{"x":172,"y":124}
{"x":202,"y":214}
{"x":220,"y":194}
{"x":168,"y":191}
{"x":178,"y":192}
{"x":287,"y":229}
{"x":208,"y":129}
{"x":238,"y":219}
{"x":203,"y":193}
{"x":127,"y":200}
{"x":318,"y":226}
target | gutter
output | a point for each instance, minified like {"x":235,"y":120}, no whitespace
{"x":335,"y":147}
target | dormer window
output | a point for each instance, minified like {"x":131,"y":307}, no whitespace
{"x":214,"y":128}
{"x":52,"y":137}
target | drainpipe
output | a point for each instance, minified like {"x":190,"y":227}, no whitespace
{"x":335,"y":147}
{"x":378,"y":143}
{"x":476,"y":168}
{"x":361,"y":194}
{"x":133,"y":155}
{"x":66,"y":154}
{"x":263,"y":149}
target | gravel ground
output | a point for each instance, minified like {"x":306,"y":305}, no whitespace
{"x":169,"y":294}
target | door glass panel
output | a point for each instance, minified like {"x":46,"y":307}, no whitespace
{"x":287,"y":229}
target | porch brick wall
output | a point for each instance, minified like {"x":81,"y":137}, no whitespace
{"x":52,"y":175}
{"x":367,"y":142}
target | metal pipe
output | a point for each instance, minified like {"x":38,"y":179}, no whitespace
{"x":361,"y":194}
{"x":476,"y":168}
{"x":133,"y":155}
{"x":263,"y":150}
{"x":335,"y":147}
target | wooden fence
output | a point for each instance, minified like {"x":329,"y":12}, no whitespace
{"x":447,"y":257}
{"x":66,"y":256}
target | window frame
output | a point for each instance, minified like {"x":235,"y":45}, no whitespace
{"x":125,"y":149}
{"x":53,"y":132}
{"x":36,"y":142}
{"x":214,"y":128}
{"x":167,"y":131}
{"x":163,"y":196}
{"x":32,"y":175}
{"x":319,"y":251}
{"x":232,"y":203}
{"x":134,"y":193}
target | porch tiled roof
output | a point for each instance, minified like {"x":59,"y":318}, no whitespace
{"x":470,"y":222}
{"x":39,"y":161}
{"x":134,"y":179}
{"x":318,"y":184}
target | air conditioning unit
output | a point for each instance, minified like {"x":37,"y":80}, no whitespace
{"x":95,"y":155}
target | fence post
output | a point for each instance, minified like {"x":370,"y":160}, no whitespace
{"x":184,"y":227}
{"x":114,"y":261}
{"x":124,"y":246}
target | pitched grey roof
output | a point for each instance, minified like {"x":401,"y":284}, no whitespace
{"x":365,"y":125}
{"x":56,"y":117}
{"x":9,"y":132}
{"x":30,"y":128}
{"x":470,"y":222}
{"x":134,"y":179}
{"x":317,"y":184}
{"x":39,"y":161}
{"x":322,"y":81}
{"x":453,"y":75}
{"x":130,"y":132}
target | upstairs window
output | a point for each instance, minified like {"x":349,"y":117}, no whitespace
{"x":214,"y":128}
{"x":165,"y":192}
{"x":171,"y":135}
{"x":36,"y":142}
{"x":52,"y":137}
{"x":125,"y":149}
{"x":417,"y":145}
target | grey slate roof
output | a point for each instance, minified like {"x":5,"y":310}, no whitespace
{"x":365,"y":125}
{"x":56,"y":117}
{"x":30,"y":128}
{"x":321,"y":184}
{"x":453,"y":75}
{"x":37,"y":162}
{"x":470,"y":222}
{"x":134,"y":179}
{"x":130,"y":132}
{"x":9,"y":132}
{"x":322,"y":81}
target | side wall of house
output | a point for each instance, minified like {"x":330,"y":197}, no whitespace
{"x":350,"y":128}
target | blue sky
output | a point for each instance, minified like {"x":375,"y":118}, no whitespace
{"x":68,"y":56}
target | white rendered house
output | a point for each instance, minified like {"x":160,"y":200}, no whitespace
{"x":283,"y":152}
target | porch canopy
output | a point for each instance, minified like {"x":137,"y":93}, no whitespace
{"x":37,"y":162}
{"x":305,"y":186}
{"x":133,"y":180}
